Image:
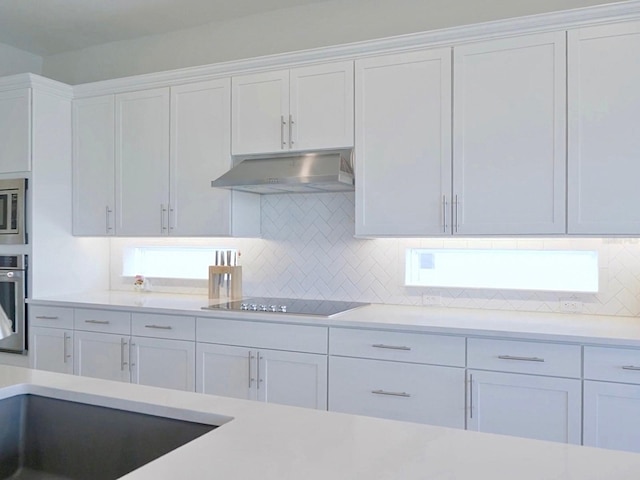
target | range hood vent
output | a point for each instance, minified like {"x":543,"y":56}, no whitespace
{"x":299,"y":173}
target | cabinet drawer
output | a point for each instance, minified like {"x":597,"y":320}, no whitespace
{"x":56,"y":317}
{"x":398,"y":346}
{"x":105,"y":321}
{"x":612,"y":364}
{"x":277,"y":336}
{"x":524,"y":357}
{"x":399,"y":391}
{"x":174,"y":327}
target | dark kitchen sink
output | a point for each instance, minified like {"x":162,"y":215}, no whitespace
{"x":48,"y":438}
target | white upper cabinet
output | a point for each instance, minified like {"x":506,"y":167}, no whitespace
{"x":403,"y":144}
{"x":93,"y":166}
{"x":604,"y":144}
{"x":509,"y":154}
{"x":200,"y":153}
{"x":306,"y":108}
{"x":142,"y":162}
{"x":15,"y":130}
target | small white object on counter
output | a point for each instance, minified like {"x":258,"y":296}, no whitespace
{"x":274,"y":442}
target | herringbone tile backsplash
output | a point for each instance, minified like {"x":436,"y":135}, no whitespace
{"x":308,"y":250}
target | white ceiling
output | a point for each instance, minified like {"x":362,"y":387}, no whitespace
{"x":47,"y":27}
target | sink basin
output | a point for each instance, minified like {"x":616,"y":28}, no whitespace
{"x":58,"y":439}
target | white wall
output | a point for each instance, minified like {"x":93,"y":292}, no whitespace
{"x":14,"y":61}
{"x":308,"y":251}
{"x":321,"y":24}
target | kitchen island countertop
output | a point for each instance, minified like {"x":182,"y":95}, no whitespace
{"x":578,"y":328}
{"x":274,"y":442}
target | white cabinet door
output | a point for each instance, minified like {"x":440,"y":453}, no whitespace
{"x":604,"y":101}
{"x":142,"y":162}
{"x":292,"y":378}
{"x":321,"y":107}
{"x":403,"y":144}
{"x":225,"y":370}
{"x":260,"y":112}
{"x":399,"y":391}
{"x":51,"y":349}
{"x":163,"y":363}
{"x":101,"y":355}
{"x":94,"y":166}
{"x":543,"y":408}
{"x":200,"y":153}
{"x":612,"y":415}
{"x":509,"y":155}
{"x":15,"y":130}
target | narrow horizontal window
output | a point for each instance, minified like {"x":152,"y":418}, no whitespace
{"x":170,"y":262}
{"x":544,"y":270}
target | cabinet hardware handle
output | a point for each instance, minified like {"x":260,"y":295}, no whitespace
{"x":98,"y":322}
{"x":159,"y":327}
{"x":391,"y":394}
{"x":444,"y":214}
{"x":282,"y":125}
{"x":108,"y":215}
{"x":290,"y":130}
{"x":65,"y":352}
{"x":44,"y":317}
{"x":163,"y":210}
{"x":251,"y":357}
{"x":471,"y":395}
{"x":631,"y":367}
{"x":260,"y":357}
{"x":131,"y":364}
{"x":390,"y":347}
{"x":457,"y":223}
{"x":122,"y":354}
{"x":169,"y":217}
{"x":524,"y":359}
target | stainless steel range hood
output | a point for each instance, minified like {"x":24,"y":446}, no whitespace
{"x":291,"y":173}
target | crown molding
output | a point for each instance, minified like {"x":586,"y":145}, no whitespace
{"x":31,"y":80}
{"x":545,"y":22}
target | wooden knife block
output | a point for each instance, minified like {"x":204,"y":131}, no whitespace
{"x":225,"y":283}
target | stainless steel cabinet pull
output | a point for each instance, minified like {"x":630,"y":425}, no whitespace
{"x":457,"y":222}
{"x":123,"y":344}
{"x":169,"y":217}
{"x":251,"y":357}
{"x":390,"y":347}
{"x":108,"y":212}
{"x":65,"y":354}
{"x":163,"y":210}
{"x":524,"y":359}
{"x":132,"y":346}
{"x":290,"y":131}
{"x":470,"y":396}
{"x":444,"y":214}
{"x":44,"y":317}
{"x":631,"y":367}
{"x":282,"y":125}
{"x":98,"y":322}
{"x":391,"y":394}
{"x":159,"y":327}
{"x":260,"y":357}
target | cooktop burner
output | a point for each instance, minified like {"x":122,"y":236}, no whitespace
{"x":324,"y":308}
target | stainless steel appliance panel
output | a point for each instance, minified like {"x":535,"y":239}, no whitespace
{"x":13,"y":292}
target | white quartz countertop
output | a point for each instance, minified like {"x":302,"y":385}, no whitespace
{"x":609,"y":330}
{"x":273,"y":442}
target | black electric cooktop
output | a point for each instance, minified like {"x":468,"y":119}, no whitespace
{"x":296,"y":306}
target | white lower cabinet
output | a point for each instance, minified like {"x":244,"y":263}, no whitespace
{"x":102,"y":355}
{"x":288,"y":378}
{"x":163,"y":363}
{"x":399,"y":391}
{"x":51,"y":349}
{"x":612,"y":398}
{"x":543,"y":408}
{"x":397,"y":375}
{"x":525,"y":389}
{"x":269,"y":362}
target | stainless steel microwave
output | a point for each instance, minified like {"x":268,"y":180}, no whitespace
{"x":12,"y":211}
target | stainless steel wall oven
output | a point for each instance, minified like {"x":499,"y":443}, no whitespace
{"x":13,"y":194}
{"x":13,"y":292}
